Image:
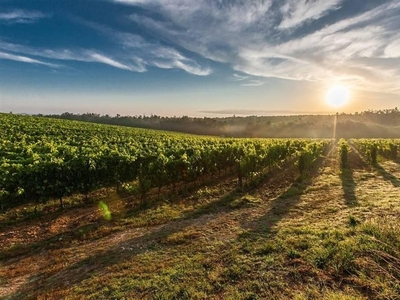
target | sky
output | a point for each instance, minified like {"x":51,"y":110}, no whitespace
{"x":198,"y":57}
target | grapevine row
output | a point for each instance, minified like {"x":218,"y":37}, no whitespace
{"x":372,"y":148}
{"x":42,"y":159}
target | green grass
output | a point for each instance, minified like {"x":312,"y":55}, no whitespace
{"x":285,"y":238}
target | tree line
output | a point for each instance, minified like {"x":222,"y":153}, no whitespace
{"x":367,"y":124}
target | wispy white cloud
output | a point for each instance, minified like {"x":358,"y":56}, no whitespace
{"x":261,"y":39}
{"x":313,"y":40}
{"x":393,"y":49}
{"x":246,"y":80}
{"x":96,"y":57}
{"x":150,"y":53}
{"x":21,"y":16}
{"x":83,"y":55}
{"x":210,"y":28}
{"x":190,"y":67}
{"x":153,"y":54}
{"x":137,"y":56}
{"x":296,"y":12}
{"x":238,"y":77}
{"x":25,"y":59}
{"x":234,"y":13}
{"x":254,"y":83}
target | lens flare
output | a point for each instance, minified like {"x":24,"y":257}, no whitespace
{"x":106,"y":213}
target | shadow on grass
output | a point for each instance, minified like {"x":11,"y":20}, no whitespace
{"x":276,"y":177}
{"x":280,"y":207}
{"x":93,"y":231}
{"x":355,"y":162}
{"x":97,"y":263}
{"x":154,"y":239}
{"x":224,"y":201}
{"x":387,"y":176}
{"x":349,"y":187}
{"x":54,"y":242}
{"x":176,"y":192}
{"x":160,"y":237}
{"x":285,"y":202}
{"x":37,"y":212}
{"x":396,"y":160}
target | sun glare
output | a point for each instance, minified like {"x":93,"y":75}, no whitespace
{"x":338,"y":95}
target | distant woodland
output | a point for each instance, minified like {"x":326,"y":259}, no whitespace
{"x":367,"y":124}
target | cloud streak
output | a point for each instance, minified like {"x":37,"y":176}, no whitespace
{"x":156,"y":55}
{"x":150,"y":53}
{"x":96,"y":57}
{"x":131,"y":53}
{"x":9,"y":56}
{"x":299,"y":40}
{"x":83,"y":55}
{"x":21,"y":16}
{"x":296,"y":12}
{"x":312,"y":40}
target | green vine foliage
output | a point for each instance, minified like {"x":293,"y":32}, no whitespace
{"x":42,"y":158}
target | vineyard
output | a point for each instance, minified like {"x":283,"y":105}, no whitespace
{"x":44,"y":158}
{"x":194,"y":217}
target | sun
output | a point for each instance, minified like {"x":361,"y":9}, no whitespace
{"x":338,"y":95}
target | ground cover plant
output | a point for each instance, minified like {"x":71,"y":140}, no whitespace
{"x":317,"y":221}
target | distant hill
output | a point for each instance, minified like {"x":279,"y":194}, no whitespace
{"x":366,"y":124}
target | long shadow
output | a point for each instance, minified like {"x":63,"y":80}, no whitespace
{"x":387,"y":176}
{"x":180,"y":190}
{"x":276,"y":177}
{"x":284,"y":203}
{"x":54,"y":242}
{"x":76,"y":234}
{"x":155,"y":240}
{"x":63,"y":239}
{"x":355,"y":162}
{"x":348,"y":186}
{"x":49,"y":212}
{"x":280,"y":207}
{"x":224,"y":202}
{"x":127,"y":249}
{"x":397,"y":160}
{"x":98,"y":262}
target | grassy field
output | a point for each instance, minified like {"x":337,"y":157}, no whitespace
{"x":332,"y":235}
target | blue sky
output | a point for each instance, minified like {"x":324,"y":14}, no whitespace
{"x":197,"y":57}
